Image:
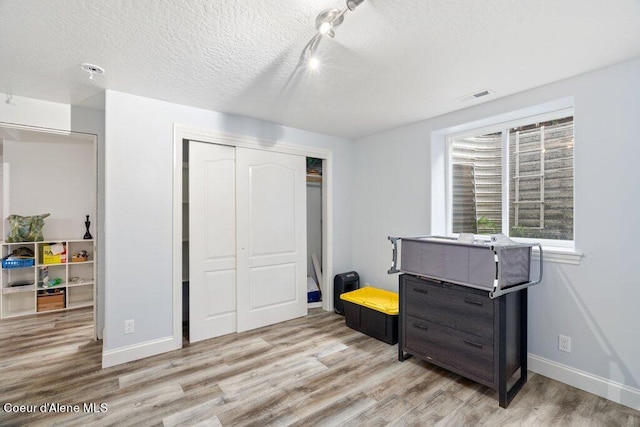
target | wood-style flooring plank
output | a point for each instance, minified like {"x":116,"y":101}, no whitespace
{"x":308,"y":371}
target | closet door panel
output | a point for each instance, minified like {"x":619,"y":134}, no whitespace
{"x":272,"y":210}
{"x":271,"y":218}
{"x":212,"y":241}
{"x":271,"y":285}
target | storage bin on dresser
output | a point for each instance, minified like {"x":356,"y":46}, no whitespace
{"x":463,"y":330}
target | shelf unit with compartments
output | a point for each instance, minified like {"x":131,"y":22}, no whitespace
{"x":27,"y":285}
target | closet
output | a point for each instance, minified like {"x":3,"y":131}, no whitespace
{"x":244,"y":238}
{"x":314,"y":231}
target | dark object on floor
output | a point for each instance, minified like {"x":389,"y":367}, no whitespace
{"x":343,"y":282}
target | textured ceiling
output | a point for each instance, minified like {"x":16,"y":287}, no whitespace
{"x":392,"y":62}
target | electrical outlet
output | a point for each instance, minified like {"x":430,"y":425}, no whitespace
{"x":128,"y":326}
{"x":564,"y":343}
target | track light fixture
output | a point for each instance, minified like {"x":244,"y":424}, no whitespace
{"x":352,"y":4}
{"x":326,"y":22}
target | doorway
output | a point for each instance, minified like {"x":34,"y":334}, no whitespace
{"x":52,"y":172}
{"x":183,"y":206}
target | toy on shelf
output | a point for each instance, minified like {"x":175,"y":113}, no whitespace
{"x":81,"y":256}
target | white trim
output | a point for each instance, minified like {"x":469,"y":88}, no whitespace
{"x":502,"y":124}
{"x":559,"y":255}
{"x":510,"y":117}
{"x":137,"y":351}
{"x":448,"y":189}
{"x":177,"y":235}
{"x":525,"y":119}
{"x":181,"y":133}
{"x":603,"y":387}
{"x":327,"y":231}
{"x":42,"y":129}
{"x":246,"y":141}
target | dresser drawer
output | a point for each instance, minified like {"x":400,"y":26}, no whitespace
{"x":467,"y":354}
{"x":468,"y":311}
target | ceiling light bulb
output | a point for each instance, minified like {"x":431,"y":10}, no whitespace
{"x":325,"y":27}
{"x":314,"y":63}
{"x":327,"y":20}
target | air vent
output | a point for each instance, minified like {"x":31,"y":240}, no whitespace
{"x":479,"y":94}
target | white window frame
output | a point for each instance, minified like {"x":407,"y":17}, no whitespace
{"x":560,"y":246}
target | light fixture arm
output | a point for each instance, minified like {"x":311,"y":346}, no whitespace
{"x":326,"y":21}
{"x":311,"y":48}
{"x":352,"y":4}
{"x":341,"y":13}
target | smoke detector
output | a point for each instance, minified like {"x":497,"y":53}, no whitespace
{"x":92,"y":69}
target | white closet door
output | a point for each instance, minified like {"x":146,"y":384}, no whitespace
{"x":271,"y":215}
{"x":212,"y":241}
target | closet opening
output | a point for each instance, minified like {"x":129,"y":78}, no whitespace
{"x":314,"y":232}
{"x":217,"y":268}
{"x":185,"y":241}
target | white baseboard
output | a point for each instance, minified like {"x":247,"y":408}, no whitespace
{"x":603,"y":387}
{"x":138,"y":351}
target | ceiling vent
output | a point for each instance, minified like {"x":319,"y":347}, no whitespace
{"x":479,"y":94}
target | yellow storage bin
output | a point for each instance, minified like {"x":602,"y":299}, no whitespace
{"x":49,"y":258}
{"x":374,"y":298}
{"x":372,"y":311}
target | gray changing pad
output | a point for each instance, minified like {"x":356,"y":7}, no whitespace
{"x":497,"y":268}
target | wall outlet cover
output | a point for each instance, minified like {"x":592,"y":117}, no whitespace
{"x":564,"y":343}
{"x":128,"y":326}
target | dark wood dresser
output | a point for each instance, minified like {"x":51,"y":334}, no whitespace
{"x":463,"y":330}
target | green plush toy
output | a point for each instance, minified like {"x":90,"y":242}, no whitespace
{"x":26,"y":228}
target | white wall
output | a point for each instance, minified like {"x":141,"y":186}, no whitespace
{"x":139,"y":204}
{"x":596,"y":302}
{"x":35,"y":112}
{"x":56,"y":177}
{"x":53,"y":115}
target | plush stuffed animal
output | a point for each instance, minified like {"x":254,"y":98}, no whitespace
{"x":26,"y":228}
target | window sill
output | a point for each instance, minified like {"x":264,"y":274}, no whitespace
{"x":559,"y":255}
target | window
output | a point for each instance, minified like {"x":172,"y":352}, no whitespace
{"x":516,"y":178}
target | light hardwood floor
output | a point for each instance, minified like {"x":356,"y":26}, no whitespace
{"x":308,"y":371}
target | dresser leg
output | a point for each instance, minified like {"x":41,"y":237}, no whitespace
{"x":505,"y":396}
{"x":402,"y":356}
{"x":502,"y":352}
